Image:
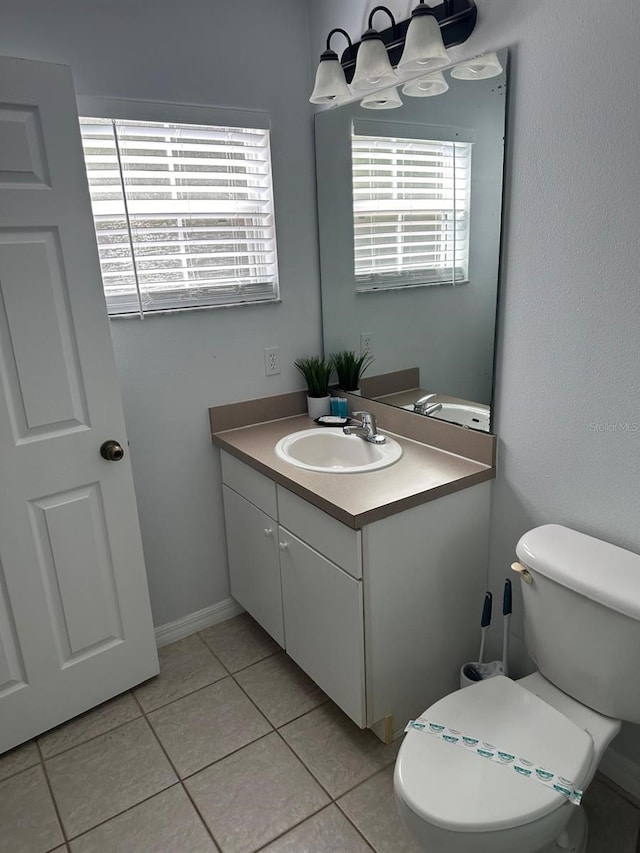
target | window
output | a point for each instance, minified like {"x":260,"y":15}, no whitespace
{"x":411,"y":200}
{"x":183,"y":214}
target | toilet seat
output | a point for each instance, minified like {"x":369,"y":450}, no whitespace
{"x":460,"y":791}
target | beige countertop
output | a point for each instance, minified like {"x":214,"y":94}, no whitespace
{"x":423,"y":473}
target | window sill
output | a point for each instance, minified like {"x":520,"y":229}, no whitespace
{"x":135,"y":315}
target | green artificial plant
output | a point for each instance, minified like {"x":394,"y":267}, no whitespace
{"x":350,"y":368}
{"x":317,"y":373}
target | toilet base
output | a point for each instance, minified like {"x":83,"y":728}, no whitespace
{"x":574,"y":836}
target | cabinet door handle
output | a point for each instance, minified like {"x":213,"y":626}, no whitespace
{"x":268,"y":531}
{"x":284,"y":546}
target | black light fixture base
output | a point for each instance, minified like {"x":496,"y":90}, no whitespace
{"x":457,"y":20}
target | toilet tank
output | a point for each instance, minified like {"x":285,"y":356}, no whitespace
{"x":582,"y":617}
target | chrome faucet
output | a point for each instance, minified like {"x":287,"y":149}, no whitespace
{"x":424,"y":407}
{"x":367,"y":428}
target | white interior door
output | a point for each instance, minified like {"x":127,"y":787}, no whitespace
{"x":75,"y":620}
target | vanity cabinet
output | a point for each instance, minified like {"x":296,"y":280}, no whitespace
{"x":382,"y":617}
{"x":323,"y":623}
{"x":252,"y":549}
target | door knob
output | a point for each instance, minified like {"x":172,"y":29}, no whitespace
{"x":111,"y":451}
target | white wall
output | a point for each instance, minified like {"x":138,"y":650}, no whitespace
{"x":250,"y":55}
{"x":569,"y":321}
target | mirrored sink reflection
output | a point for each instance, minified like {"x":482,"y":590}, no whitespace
{"x":464,"y":414}
{"x":331,"y":451}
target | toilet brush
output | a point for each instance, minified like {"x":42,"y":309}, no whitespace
{"x":484,"y":624}
{"x":506,"y":612}
{"x":479,"y":670}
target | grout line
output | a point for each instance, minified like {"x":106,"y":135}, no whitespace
{"x":273,"y":725}
{"x":334,"y":799}
{"x":254,"y":663}
{"x":22,"y":769}
{"x":308,"y":769}
{"x":357,"y":828}
{"x":179,"y":698}
{"x":124,"y":811}
{"x":198,"y":634}
{"x":208,"y":830}
{"x":228,"y":755}
{"x":63,"y":829}
{"x":291,"y":828}
{"x":89,"y":739}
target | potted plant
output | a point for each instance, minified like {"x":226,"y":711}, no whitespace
{"x":317,"y":373}
{"x":350,"y":368}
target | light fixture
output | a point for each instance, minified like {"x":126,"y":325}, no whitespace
{"x":479,"y":68}
{"x":389,"y":99}
{"x":373,"y":67}
{"x":414,"y":45}
{"x":424,"y":48}
{"x":331,"y":85}
{"x":426,"y":87}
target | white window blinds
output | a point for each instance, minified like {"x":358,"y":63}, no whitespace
{"x":183,"y":214}
{"x":411,"y":201}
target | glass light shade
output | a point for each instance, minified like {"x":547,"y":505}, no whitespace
{"x":480,"y":68}
{"x":424,"y":49}
{"x":331,"y":85}
{"x":387,"y":100}
{"x":372,"y":65}
{"x":426,"y":87}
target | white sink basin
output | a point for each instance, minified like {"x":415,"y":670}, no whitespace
{"x":463,"y":414}
{"x":330,"y":450}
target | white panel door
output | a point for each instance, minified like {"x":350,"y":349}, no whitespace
{"x":324,"y":623}
{"x":75,"y":620}
{"x":254,"y":568}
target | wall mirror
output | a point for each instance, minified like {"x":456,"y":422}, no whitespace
{"x":409,"y":208}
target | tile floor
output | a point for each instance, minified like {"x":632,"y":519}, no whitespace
{"x":232,"y":749}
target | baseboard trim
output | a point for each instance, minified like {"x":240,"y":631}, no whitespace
{"x":198,"y":621}
{"x":621,"y":770}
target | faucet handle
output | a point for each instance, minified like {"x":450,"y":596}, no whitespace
{"x":424,"y":399}
{"x":367,"y":418}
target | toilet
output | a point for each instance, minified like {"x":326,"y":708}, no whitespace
{"x":455,"y":786}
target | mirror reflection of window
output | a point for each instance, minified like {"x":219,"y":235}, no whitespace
{"x":380,"y":261}
{"x":411,"y":202}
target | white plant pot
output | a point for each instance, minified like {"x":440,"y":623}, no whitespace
{"x":318,"y":406}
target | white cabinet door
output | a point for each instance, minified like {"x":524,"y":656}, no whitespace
{"x":254,"y":568}
{"x":324,"y":623}
{"x":75,"y":620}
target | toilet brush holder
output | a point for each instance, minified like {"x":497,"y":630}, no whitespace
{"x":472,"y":672}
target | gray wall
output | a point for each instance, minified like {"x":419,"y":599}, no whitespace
{"x":171,"y":368}
{"x":569,"y":343}
{"x":413,"y":327}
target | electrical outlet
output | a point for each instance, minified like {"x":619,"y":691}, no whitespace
{"x":366,"y":342}
{"x":271,"y":361}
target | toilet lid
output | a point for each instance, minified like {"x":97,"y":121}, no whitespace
{"x":458,"y":790}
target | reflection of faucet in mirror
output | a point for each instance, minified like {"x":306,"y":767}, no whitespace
{"x":367,"y":429}
{"x":424,"y":407}
{"x":409,"y":209}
